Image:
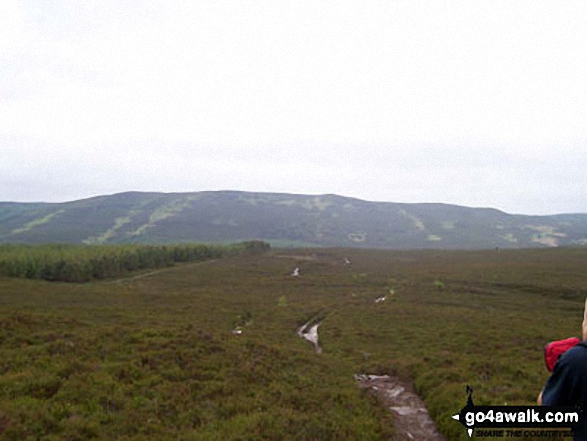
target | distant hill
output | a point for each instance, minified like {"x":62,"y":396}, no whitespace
{"x":283,"y":220}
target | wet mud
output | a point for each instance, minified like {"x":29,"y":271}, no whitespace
{"x":411,"y":418}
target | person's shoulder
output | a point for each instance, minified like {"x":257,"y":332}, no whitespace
{"x":577,"y":354}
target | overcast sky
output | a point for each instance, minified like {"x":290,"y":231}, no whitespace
{"x":477,"y":103}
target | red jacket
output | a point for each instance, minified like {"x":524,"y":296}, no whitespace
{"x":553,"y":350}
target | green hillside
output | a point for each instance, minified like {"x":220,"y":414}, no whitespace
{"x":283,"y":220}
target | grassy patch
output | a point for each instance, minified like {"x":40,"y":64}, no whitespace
{"x":34,"y":223}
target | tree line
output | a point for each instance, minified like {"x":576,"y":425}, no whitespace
{"x":82,"y":263}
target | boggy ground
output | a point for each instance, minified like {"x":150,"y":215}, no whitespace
{"x":410,"y":416}
{"x":155,"y":357}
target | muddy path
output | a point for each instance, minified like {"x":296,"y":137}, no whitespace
{"x":411,"y":418}
{"x":157,"y":271}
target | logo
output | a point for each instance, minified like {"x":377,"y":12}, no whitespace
{"x":501,"y":420}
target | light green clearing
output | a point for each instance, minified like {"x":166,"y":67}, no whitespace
{"x":34,"y":223}
{"x":317,"y":203}
{"x":357,"y":237}
{"x":419,"y":224}
{"x":547,"y":235}
{"x":545,"y":240}
{"x":434,"y":238}
{"x":509,"y":237}
{"x":448,"y":225}
{"x":164,"y":212}
{"x":118,"y":222}
{"x":169,"y":210}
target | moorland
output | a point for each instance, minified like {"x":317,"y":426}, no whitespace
{"x":152,"y":354}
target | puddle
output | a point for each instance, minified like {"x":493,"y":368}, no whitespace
{"x":310,"y":334}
